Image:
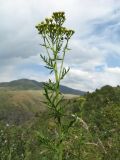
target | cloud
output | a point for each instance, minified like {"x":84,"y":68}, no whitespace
{"x":18,"y":20}
{"x":94,"y":58}
{"x":17,"y":68}
{"x":85,"y":55}
{"x":92,"y":80}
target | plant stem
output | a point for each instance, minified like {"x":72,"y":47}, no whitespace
{"x":60,"y":143}
{"x":61,"y":67}
{"x":60,"y":147}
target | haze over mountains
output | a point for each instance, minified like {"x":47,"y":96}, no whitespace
{"x":26,"y":84}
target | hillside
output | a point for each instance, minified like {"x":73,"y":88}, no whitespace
{"x":20,"y":106}
{"x":17,"y":107}
{"x":26,"y":84}
{"x":102,"y":114}
{"x":21,"y":100}
{"x":23,"y":119}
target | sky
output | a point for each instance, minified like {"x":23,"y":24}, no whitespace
{"x":94,"y":59}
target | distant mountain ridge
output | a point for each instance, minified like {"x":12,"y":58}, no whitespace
{"x":26,"y":84}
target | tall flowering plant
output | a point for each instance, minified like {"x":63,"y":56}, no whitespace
{"x":55,"y":41}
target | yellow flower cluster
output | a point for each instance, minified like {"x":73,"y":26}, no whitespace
{"x":53,"y":27}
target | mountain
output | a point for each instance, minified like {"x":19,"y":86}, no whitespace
{"x":26,"y":84}
{"x":22,"y":84}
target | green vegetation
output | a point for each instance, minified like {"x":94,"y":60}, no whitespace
{"x":97,"y":139}
{"x":102,"y":113}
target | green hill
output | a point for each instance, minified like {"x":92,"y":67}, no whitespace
{"x":26,"y":84}
{"x":22,"y":84}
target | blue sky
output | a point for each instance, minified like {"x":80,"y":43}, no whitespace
{"x":95,"y":56}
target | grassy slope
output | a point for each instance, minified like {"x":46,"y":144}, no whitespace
{"x":18,"y":106}
{"x":22,"y":105}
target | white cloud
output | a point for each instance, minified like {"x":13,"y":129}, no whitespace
{"x":85,"y":55}
{"x":19,"y":40}
{"x":91,"y":80}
